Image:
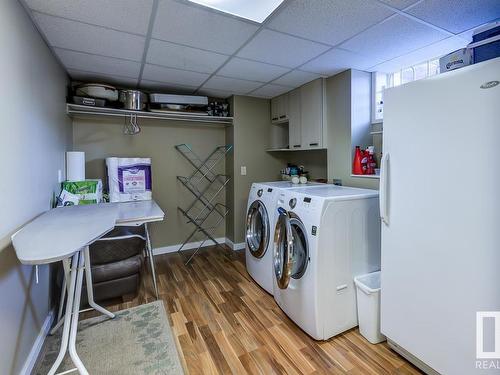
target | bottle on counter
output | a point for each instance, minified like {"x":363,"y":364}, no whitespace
{"x":357,"y":167}
{"x":371,"y":163}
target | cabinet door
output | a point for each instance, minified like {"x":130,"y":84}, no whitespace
{"x":311,"y":97}
{"x":274,"y":109}
{"x":294,"y":128}
{"x":283,"y":107}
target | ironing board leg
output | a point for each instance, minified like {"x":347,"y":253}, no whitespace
{"x":67,"y":316}
{"x":88,"y":280}
{"x":74,"y":317}
{"x":64,"y":290}
{"x":151,"y":258}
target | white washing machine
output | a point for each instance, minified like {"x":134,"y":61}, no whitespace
{"x":260,"y":221}
{"x":323,"y":238}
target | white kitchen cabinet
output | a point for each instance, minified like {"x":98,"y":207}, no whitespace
{"x":312,"y":114}
{"x":279,"y":108}
{"x":294,"y":120}
{"x":303,"y":111}
{"x":274,"y":109}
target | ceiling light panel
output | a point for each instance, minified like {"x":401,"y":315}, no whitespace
{"x":255,"y":10}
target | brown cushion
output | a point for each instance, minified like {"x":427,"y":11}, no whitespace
{"x":116,"y":270}
{"x":102,"y":252}
{"x":113,"y":288}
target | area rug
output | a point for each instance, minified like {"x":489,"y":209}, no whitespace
{"x":137,"y":341}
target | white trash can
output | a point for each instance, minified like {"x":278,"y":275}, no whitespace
{"x":368,"y":295}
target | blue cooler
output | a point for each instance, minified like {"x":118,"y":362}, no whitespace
{"x":489,"y":50}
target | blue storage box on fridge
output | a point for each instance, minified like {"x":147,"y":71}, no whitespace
{"x":488,"y":50}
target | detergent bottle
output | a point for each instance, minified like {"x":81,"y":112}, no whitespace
{"x":357,"y":168}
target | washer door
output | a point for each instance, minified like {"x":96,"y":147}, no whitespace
{"x":257,"y":229}
{"x":291,"y":251}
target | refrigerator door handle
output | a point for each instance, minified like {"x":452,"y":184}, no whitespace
{"x":383,"y":189}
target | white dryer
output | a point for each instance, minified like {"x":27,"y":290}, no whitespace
{"x":260,"y":221}
{"x":323,"y":238}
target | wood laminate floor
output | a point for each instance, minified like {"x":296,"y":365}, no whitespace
{"x":224,"y":323}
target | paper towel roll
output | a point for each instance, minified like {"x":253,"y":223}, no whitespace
{"x":75,"y":166}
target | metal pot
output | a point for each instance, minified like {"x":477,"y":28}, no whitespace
{"x":133,"y":99}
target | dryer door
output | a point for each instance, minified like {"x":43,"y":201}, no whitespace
{"x":291,"y":250}
{"x":257,"y":229}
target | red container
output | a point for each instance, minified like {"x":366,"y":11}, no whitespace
{"x":357,"y":167}
{"x":371,"y":164}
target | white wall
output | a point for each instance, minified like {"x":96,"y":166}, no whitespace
{"x":35,"y":134}
{"x":250,"y":138}
{"x":102,"y":138}
{"x":348,"y":111}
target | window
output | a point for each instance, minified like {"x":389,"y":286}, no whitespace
{"x":380,"y":81}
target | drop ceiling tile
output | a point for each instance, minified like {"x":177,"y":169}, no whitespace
{"x":251,"y":70}
{"x":182,"y":57}
{"x":124,"y":15}
{"x":400,"y":4}
{"x":222,"y":94}
{"x":328,"y":21}
{"x":280,"y":49}
{"x":197,"y":27}
{"x":92,"y":39}
{"x":457,"y":15}
{"x":153,"y":86}
{"x":270,"y":91}
{"x":233,"y":85}
{"x":296,"y":78}
{"x":118,"y":81}
{"x":173,"y":76}
{"x":432,"y":51}
{"x":98,"y":64}
{"x":467,"y":35}
{"x":337,"y":60}
{"x":392,"y":38}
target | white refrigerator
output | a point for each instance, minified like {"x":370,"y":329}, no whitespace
{"x":440,"y":208}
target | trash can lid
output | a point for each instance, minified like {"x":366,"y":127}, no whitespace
{"x":369,"y":282}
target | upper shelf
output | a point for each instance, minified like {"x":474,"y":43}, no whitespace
{"x":376,"y":176}
{"x":77,"y":110}
{"x":293,"y":149}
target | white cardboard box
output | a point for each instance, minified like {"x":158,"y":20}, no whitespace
{"x":455,"y":60}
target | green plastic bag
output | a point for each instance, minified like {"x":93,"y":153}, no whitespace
{"x":88,"y":191}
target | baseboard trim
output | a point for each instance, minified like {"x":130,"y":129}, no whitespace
{"x":235,"y":246}
{"x":188,"y":246}
{"x":30,"y":362}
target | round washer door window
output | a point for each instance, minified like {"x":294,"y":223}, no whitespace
{"x":257,"y":229}
{"x":300,"y":247}
{"x":291,"y":254}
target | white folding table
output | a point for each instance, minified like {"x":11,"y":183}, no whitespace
{"x":65,"y":233}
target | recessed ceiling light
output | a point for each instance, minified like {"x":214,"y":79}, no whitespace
{"x":255,"y":10}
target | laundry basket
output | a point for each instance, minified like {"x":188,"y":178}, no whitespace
{"x":368,"y":295}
